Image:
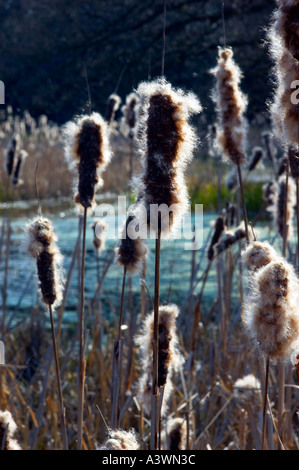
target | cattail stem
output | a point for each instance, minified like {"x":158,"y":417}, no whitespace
{"x":98,"y":267}
{"x":161,"y":396}
{"x":155,"y":388}
{"x":143,"y":290}
{"x":297,"y":209}
{"x":117,"y":353}
{"x":131,"y":331}
{"x":265,"y":402}
{"x":131,"y":151}
{"x":285,"y":227}
{"x":4,"y":295}
{"x":197,"y":314}
{"x":243,"y":202}
{"x":222,"y":310}
{"x":281,"y":398}
{"x":82,"y":365}
{"x":281,"y":367}
{"x":219,"y":195}
{"x":63,"y":423}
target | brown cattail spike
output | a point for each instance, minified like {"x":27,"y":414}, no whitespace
{"x":88,"y":146}
{"x":282,"y":209}
{"x":270,"y":192}
{"x":271,"y":314}
{"x":99,"y":228}
{"x":130,"y":115}
{"x":258,"y":255}
{"x":267,"y":140}
{"x":42,"y":246}
{"x":283,"y":38}
{"x":176,"y":434}
{"x":231,"y":237}
{"x":89,"y":154}
{"x":112,"y":106}
{"x":283,"y":166}
{"x":131,"y":252}
{"x":219,"y":228}
{"x":10,"y":155}
{"x":231,"y":105}
{"x":170,"y":358}
{"x":21,"y":158}
{"x":256,"y":158}
{"x":167,"y":143}
{"x":294,"y":162}
{"x":287,"y":25}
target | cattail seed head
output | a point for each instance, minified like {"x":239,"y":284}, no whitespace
{"x":170,"y":358}
{"x":176,"y":434}
{"x":283,"y":166}
{"x":282,"y":209}
{"x":256,"y":158}
{"x":10,"y":155}
{"x":212,"y":141}
{"x":247,"y":388}
{"x":267,"y":138}
{"x":88,"y":146}
{"x":283,"y":40}
{"x":99,"y":228}
{"x":219,"y":228}
{"x":167,"y":142}
{"x":42,"y":246}
{"x":8,"y":428}
{"x":270,"y":192}
{"x":112,"y":106}
{"x":231,"y":105}
{"x":229,"y":214}
{"x":120,"y":440}
{"x":20,"y":161}
{"x":258,"y":254}
{"x":270,"y":313}
{"x":294,"y":162}
{"x":131,"y":252}
{"x":286,"y":25}
{"x":230,"y":237}
{"x":130,"y":112}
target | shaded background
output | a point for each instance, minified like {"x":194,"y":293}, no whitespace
{"x":45,"y":47}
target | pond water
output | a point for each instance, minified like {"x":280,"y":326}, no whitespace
{"x":22,"y":291}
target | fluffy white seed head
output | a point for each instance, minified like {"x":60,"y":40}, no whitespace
{"x":120,"y":440}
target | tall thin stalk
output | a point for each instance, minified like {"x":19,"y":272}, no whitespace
{"x":297,"y":213}
{"x":62,"y":414}
{"x":265,"y":402}
{"x":117,"y":360}
{"x":4,"y":292}
{"x":281,"y":366}
{"x":155,"y":388}
{"x":143,"y":290}
{"x":243,"y":202}
{"x":82,"y":363}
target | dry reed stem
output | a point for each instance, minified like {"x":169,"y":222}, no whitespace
{"x":117,"y":360}
{"x":265,"y":402}
{"x":62,"y":412}
{"x":82,"y":363}
{"x":155,"y":388}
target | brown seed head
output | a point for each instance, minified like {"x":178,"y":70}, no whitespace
{"x":43,"y":248}
{"x":231,"y":105}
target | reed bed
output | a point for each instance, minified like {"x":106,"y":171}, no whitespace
{"x":214,"y":370}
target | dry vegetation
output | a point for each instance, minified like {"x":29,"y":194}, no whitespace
{"x":217,"y":373}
